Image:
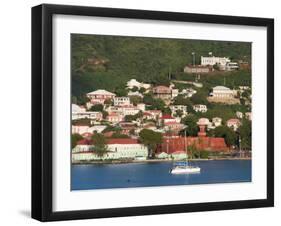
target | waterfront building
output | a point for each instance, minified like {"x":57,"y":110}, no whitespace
{"x":118,"y":149}
{"x":200,"y":108}
{"x":233,"y":123}
{"x":99,"y":96}
{"x":173,"y":143}
{"x":121,"y":101}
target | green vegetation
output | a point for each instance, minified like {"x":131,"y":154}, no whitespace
{"x":191,"y":122}
{"x":119,"y":135}
{"x":108,"y":62}
{"x":227,"y":133}
{"x":151,"y":139}
{"x":74,"y":139}
{"x":97,"y":107}
{"x":245,"y":131}
{"x":99,"y":141}
{"x":84,"y":121}
{"x":129,"y":118}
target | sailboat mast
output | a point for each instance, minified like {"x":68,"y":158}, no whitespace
{"x":185,"y":148}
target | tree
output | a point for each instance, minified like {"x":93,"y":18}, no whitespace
{"x":157,"y":104}
{"x":121,"y":91}
{"x":142,"y":90}
{"x":228,"y":134}
{"x":166,"y":111}
{"x":135,"y":89}
{"x":74,"y":139}
{"x":119,"y":135}
{"x":81,"y":100}
{"x":181,"y":100}
{"x":179,"y":113}
{"x":100,"y":146}
{"x":129,"y":118}
{"x":199,"y":98}
{"x":150,"y":139}
{"x":97,"y":107}
{"x":104,"y":114}
{"x":192,"y":127}
{"x":108,"y":102}
{"x":245,"y":131}
{"x":135,"y":100}
{"x":191,"y":149}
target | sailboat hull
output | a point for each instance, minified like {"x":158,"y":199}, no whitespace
{"x":185,"y":170}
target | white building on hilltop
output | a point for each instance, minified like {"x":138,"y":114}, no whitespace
{"x":222,"y":92}
{"x":212,"y":60}
{"x":134,"y":83}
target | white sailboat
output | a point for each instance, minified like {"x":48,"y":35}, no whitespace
{"x":184,"y":167}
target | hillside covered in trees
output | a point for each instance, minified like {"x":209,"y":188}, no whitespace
{"x":108,"y":62}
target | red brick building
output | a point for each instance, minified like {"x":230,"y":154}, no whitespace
{"x":202,"y":142}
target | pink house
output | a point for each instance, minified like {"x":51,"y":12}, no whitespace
{"x":167,"y":119}
{"x":233,"y":123}
{"x":114,"y":117}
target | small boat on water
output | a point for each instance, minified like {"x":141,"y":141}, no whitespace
{"x":184,"y":167}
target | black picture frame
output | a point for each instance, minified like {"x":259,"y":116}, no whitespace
{"x":42,"y":107}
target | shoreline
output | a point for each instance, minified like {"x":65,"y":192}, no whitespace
{"x":152,"y":161}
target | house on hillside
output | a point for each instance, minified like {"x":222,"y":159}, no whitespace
{"x":99,"y":96}
{"x":178,"y":108}
{"x":121,"y":101}
{"x":222,"y":92}
{"x":233,"y":123}
{"x":162,"y":92}
{"x":200,"y":108}
{"x":197,"y":69}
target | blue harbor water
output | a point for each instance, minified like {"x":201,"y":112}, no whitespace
{"x":101,"y":176}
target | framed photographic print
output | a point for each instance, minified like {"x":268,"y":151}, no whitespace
{"x":146,"y":112}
